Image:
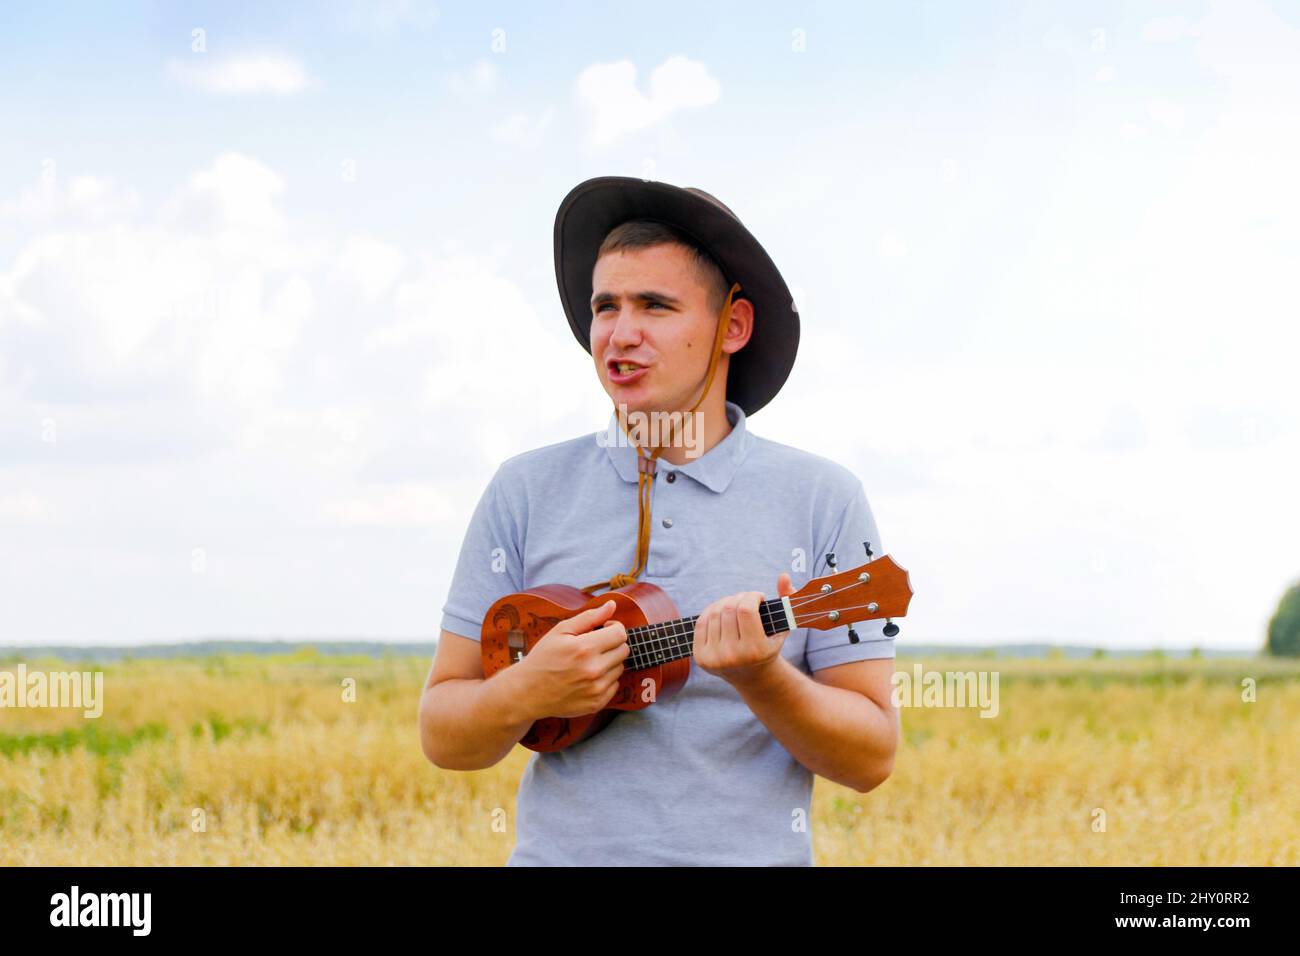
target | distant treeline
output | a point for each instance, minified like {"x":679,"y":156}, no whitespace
{"x":213,"y":648}
{"x":426,"y":649}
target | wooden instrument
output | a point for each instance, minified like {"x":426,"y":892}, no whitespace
{"x":662,"y":641}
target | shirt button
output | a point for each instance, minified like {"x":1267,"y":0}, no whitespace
{"x":668,"y":522}
{"x":672,"y":476}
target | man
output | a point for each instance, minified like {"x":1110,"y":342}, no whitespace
{"x":719,"y":773}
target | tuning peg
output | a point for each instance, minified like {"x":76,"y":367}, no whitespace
{"x":891,"y":628}
{"x":853,"y":635}
{"x":867,"y":545}
{"x":830,"y":560}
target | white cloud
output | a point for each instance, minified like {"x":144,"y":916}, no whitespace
{"x":234,"y":192}
{"x":242,"y":75}
{"x":216,"y":327}
{"x":480,"y":78}
{"x":243,"y":351}
{"x":452,"y":308}
{"x":86,"y":198}
{"x":618,"y":107}
{"x":208,"y":301}
{"x":372,"y":264}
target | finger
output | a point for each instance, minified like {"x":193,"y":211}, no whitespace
{"x":610,"y":693}
{"x":612,"y":690}
{"x":609,"y":637}
{"x":784,"y":586}
{"x":587,"y":620}
{"x":715,"y":626}
{"x":702,"y":628}
{"x":614,"y":658}
{"x":749,"y":617}
{"x":731,"y":618}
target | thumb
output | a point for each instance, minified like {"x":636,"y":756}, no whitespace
{"x":587,"y":620}
{"x":784,"y":586}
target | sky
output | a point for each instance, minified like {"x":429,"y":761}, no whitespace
{"x":277,"y":296}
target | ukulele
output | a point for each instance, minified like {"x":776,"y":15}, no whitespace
{"x":662,"y":640}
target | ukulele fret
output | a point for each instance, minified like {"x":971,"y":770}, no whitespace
{"x":654,"y":645}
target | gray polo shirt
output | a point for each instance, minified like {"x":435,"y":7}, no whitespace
{"x":695,"y":778}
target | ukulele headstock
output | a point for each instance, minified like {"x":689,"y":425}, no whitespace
{"x":877,"y":589}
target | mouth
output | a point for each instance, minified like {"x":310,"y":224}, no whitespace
{"x":622,"y":372}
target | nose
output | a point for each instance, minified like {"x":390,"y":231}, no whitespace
{"x":626,"y":333}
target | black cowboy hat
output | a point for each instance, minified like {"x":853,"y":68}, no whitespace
{"x":593,"y":208}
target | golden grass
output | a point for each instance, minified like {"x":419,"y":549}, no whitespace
{"x":284,"y":771}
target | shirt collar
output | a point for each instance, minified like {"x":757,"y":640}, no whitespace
{"x":714,"y":469}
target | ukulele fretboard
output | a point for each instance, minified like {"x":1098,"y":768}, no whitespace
{"x":657,"y":644}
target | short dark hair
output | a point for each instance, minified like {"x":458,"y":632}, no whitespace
{"x":644,"y":233}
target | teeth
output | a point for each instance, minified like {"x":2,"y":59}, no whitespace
{"x":626,"y":367}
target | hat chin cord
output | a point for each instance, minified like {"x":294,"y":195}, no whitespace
{"x":646,"y":463}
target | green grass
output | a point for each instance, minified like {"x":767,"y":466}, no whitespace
{"x":103,"y":743}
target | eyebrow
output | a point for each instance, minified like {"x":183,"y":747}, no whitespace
{"x":602,"y":297}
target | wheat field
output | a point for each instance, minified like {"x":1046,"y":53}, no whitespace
{"x":264,"y":760}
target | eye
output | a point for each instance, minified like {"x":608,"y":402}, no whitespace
{"x":601,"y":308}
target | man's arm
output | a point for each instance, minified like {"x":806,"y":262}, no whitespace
{"x":466,"y":721}
{"x":470,"y":723}
{"x":841,"y":725}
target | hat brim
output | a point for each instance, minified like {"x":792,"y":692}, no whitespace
{"x":593,"y":208}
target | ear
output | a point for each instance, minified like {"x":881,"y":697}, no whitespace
{"x":739,"y":327}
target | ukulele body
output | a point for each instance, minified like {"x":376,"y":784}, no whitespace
{"x":516,"y":622}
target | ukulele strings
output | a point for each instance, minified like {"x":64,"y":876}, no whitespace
{"x":854,"y":607}
{"x":649,"y":628}
{"x":657,"y":636}
{"x":817,"y":597}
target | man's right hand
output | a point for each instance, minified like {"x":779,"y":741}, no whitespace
{"x":573,"y":670}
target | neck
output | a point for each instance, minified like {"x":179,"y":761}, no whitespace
{"x":655,"y":644}
{"x":699,"y":431}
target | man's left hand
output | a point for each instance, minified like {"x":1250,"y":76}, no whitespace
{"x":729,"y":637}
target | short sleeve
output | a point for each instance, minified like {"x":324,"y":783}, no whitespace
{"x":490,"y":564}
{"x":831,"y":647}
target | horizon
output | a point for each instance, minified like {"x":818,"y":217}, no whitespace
{"x":425,"y":644}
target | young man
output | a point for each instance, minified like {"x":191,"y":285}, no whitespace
{"x":682,"y":311}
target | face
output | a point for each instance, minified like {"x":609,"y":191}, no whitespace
{"x":650,"y":310}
